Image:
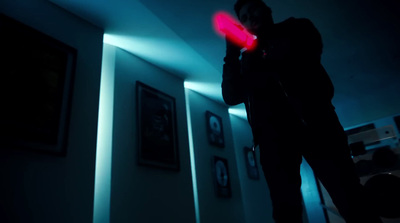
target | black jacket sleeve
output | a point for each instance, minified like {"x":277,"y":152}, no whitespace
{"x":233,"y":89}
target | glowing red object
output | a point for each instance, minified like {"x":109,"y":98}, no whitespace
{"x":225,"y":24}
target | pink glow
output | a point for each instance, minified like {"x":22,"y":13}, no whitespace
{"x":226,"y":25}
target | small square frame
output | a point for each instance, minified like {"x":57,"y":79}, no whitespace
{"x":251,"y":163}
{"x":221,"y":177}
{"x":215,"y":130}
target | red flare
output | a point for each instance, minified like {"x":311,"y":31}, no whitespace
{"x":228,"y":26}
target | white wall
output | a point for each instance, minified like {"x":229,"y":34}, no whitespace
{"x":213,"y":208}
{"x":141,"y":193}
{"x":256,"y":199}
{"x":37,"y":187}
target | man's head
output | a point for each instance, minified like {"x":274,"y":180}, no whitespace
{"x":254,"y":15}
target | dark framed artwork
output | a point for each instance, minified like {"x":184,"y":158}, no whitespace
{"x":251,"y":163}
{"x":215,"y":132}
{"x":157,"y":128}
{"x":221,"y":177}
{"x":37,"y":73}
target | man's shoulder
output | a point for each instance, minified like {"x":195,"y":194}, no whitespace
{"x":295,"y":26}
{"x":294,"y":22}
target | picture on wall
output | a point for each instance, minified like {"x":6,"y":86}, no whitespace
{"x":221,"y":177}
{"x":37,"y":73}
{"x":251,"y":163}
{"x":157,"y":128}
{"x":215,"y":131}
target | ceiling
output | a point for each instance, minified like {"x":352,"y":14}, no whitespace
{"x":361,"y":44}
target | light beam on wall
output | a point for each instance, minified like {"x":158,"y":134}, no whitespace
{"x":240,"y":112}
{"x":102,"y":184}
{"x":311,"y":198}
{"x":192,"y":157}
{"x":154,"y":50}
{"x":204,"y":87}
{"x":175,"y":57}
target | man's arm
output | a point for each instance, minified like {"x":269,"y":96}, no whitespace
{"x":233,"y":85}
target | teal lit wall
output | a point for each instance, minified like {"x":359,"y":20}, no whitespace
{"x":213,"y":209}
{"x":256,"y":199}
{"x":141,"y":193}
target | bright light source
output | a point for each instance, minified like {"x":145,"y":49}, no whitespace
{"x":205,"y":88}
{"x":226,"y":25}
{"x":240,"y":112}
{"x":192,"y":157}
{"x":102,"y":184}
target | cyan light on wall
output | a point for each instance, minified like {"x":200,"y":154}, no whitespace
{"x":102,"y":187}
{"x":240,"y":112}
{"x":203,"y":87}
{"x":210,"y":89}
{"x":192,"y":156}
{"x":148,"y":48}
{"x":171,"y":54}
{"x":176,"y":57}
{"x":311,"y":198}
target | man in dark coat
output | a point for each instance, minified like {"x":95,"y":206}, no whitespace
{"x":287,"y":94}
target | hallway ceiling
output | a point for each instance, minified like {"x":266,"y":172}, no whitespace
{"x":361,"y":44}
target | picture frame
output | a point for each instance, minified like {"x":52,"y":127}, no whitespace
{"x":215,"y":131}
{"x":157,"y":128}
{"x":36,"y":88}
{"x":221,"y":177}
{"x":251,"y":163}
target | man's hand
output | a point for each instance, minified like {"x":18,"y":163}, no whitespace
{"x":232,"y":50}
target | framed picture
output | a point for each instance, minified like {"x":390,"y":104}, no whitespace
{"x":37,"y":74}
{"x":215,"y":131}
{"x":221,"y":177}
{"x":251,"y":163}
{"x":157,"y":131}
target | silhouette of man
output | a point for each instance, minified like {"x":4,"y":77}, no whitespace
{"x":287,"y":94}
